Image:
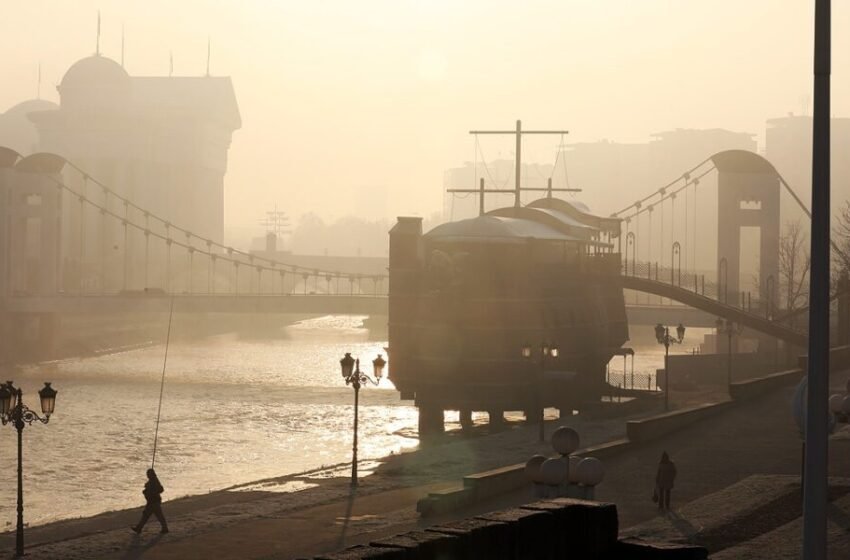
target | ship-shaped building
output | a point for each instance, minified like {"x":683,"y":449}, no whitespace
{"x":467,"y":296}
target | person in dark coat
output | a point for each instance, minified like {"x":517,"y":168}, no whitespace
{"x":664,"y":481}
{"x":153,"y":498}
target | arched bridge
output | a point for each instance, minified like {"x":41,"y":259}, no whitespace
{"x":709,"y":305}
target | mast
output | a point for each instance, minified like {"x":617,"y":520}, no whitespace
{"x":518,"y":188}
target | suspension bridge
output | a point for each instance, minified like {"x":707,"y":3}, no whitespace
{"x":76,"y":245}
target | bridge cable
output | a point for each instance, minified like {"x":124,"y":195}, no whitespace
{"x":665,"y":187}
{"x":129,"y":203}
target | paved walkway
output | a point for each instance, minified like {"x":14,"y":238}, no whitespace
{"x":265,"y":521}
{"x":758,"y":437}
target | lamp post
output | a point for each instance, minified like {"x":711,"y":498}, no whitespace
{"x":662,"y":334}
{"x":14,"y":411}
{"x":546,"y":351}
{"x":356,"y":378}
{"x":730,"y":329}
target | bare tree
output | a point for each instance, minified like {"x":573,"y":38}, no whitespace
{"x":794,"y":264}
{"x":841,"y":237}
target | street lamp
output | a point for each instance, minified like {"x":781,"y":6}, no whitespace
{"x":14,"y":411}
{"x":730,"y":329}
{"x":354,"y":377}
{"x":546,"y":350}
{"x":662,"y":334}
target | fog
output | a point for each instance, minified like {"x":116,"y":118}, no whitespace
{"x":359,"y":107}
{"x":214,"y":213}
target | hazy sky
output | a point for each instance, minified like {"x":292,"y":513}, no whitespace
{"x":358,"y":107}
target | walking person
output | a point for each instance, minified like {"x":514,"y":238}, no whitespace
{"x":664,"y":481}
{"x":153,"y":498}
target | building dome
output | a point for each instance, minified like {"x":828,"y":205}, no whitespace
{"x":95,"y":84}
{"x":494,"y":229}
{"x":93,"y":72}
{"x":17,"y":130}
{"x":24,"y":108}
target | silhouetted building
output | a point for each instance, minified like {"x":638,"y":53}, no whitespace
{"x":468,"y":294}
{"x":160,"y":141}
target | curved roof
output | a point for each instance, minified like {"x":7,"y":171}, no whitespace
{"x":565,"y":219}
{"x":42,"y":162}
{"x":742,"y":161}
{"x":8,"y":157}
{"x":94,"y":71}
{"x":580,"y":206}
{"x":495,"y":229}
{"x":578,"y":212}
{"x":31,"y":105}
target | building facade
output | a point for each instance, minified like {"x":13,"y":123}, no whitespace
{"x":162,"y":142}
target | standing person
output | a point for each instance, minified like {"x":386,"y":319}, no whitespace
{"x":153,"y":496}
{"x":664,"y":481}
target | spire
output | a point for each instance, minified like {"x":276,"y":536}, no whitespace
{"x":208,"y":57}
{"x":97,"y":43}
{"x":122,"y":45}
{"x":170,"y":63}
{"x":38,"y":89}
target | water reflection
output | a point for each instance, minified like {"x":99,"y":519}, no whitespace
{"x":235,"y":411}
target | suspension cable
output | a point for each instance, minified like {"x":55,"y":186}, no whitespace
{"x":128,"y":204}
{"x":127,"y":222}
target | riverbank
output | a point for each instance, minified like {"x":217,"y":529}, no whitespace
{"x":386,"y":497}
{"x":92,"y":334}
{"x":302,"y":515}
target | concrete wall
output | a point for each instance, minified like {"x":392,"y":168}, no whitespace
{"x":544,"y":530}
{"x":480,"y":486}
{"x":711,"y":369}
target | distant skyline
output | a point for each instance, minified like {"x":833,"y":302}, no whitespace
{"x":358,"y":108}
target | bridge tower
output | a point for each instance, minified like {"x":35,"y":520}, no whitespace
{"x":30,"y":226}
{"x":747,"y":196}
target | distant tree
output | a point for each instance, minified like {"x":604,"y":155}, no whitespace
{"x":347,"y":236}
{"x":310,"y":235}
{"x":794,"y":265}
{"x":841,"y":237}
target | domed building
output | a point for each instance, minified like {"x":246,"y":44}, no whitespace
{"x":95,"y":83}
{"x":17,"y":131}
{"x":162,"y":142}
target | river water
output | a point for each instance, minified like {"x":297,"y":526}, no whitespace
{"x":234,"y":411}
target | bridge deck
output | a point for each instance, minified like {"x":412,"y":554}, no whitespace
{"x":682,"y":295}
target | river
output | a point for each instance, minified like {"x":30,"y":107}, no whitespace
{"x":234,"y":411}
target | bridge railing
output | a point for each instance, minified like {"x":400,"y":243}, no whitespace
{"x":697,"y":283}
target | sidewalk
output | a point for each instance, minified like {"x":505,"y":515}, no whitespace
{"x":268,"y":520}
{"x":257,"y":521}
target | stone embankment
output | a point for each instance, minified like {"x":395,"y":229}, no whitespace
{"x":483,"y":486}
{"x":543,"y":530}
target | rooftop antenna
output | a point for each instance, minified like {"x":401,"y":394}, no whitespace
{"x":170,"y":63}
{"x":276,"y":222}
{"x":122,"y":45}
{"x":97,"y":43}
{"x":38,"y":89}
{"x":208,"y":57}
